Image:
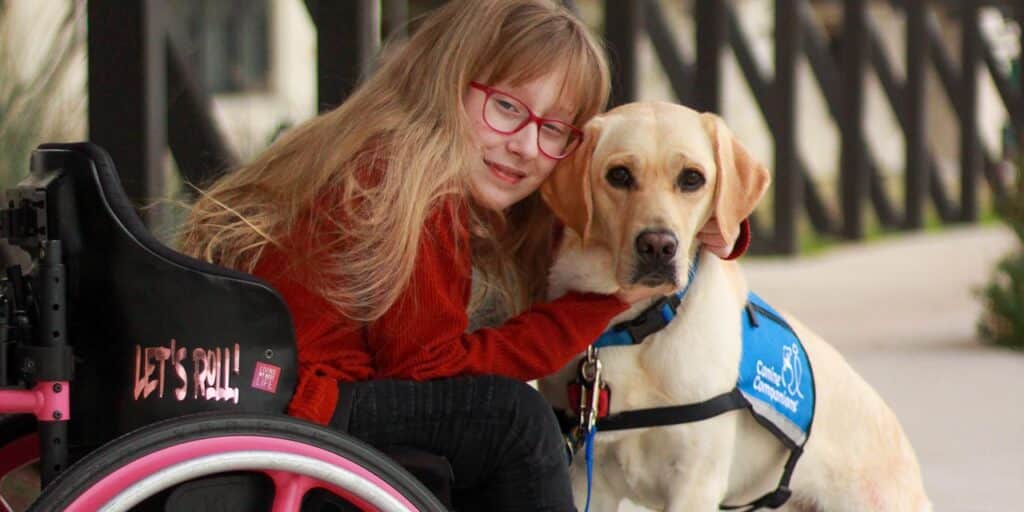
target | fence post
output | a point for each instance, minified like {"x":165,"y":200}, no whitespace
{"x":970,"y":149}
{"x":621,"y":24}
{"x":199,"y":148}
{"x":711,"y":34}
{"x":853,"y":177}
{"x":127,"y":91}
{"x":916,"y":191}
{"x":789,"y":186}
{"x":347,"y":40}
{"x":680,"y":73}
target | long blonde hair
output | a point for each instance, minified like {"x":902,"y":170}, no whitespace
{"x":393,"y":151}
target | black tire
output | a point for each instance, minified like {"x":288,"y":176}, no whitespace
{"x":81,"y":478}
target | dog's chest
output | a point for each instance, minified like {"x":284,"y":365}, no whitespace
{"x":645,"y":463}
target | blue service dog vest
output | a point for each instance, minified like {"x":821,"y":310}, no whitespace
{"x":775,"y":373}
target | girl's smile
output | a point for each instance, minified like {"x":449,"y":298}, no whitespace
{"x":507,"y":174}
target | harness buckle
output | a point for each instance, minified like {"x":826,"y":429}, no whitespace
{"x":590,"y":392}
{"x":650,"y":321}
{"x":595,"y":399}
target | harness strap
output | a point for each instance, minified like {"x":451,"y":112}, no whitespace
{"x":674,"y":415}
{"x":780,"y":495}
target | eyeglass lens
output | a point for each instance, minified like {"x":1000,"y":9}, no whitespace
{"x":507,"y":115}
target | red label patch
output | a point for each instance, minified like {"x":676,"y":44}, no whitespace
{"x":265,"y":376}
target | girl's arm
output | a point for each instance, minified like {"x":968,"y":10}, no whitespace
{"x":423,"y":335}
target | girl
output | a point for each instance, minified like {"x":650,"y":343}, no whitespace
{"x":370,"y":219}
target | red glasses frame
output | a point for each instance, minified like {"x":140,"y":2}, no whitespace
{"x":531,"y":118}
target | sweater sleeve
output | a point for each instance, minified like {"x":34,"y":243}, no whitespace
{"x":423,"y":336}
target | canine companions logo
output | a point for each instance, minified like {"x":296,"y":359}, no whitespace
{"x":782,"y":387}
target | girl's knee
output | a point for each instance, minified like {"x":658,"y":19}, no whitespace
{"x":528,"y":404}
{"x":533,"y":415}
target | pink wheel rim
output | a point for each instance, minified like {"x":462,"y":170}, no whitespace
{"x":288,"y":487}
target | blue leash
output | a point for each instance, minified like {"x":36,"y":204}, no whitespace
{"x":589,"y":444}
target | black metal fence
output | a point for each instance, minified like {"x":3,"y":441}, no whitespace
{"x":144,"y":97}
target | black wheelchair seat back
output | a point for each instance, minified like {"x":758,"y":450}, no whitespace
{"x":155,"y":334}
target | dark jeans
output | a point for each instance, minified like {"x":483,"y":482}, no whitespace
{"x":500,"y":436}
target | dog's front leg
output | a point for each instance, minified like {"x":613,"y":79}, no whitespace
{"x":697,"y":484}
{"x":703,"y":496}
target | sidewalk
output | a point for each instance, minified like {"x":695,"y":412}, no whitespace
{"x":903,"y":312}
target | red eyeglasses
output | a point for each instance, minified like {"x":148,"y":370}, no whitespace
{"x":507,"y":114}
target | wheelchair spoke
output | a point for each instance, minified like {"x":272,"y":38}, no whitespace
{"x":289,"y":489}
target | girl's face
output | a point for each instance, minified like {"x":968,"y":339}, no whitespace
{"x":512,"y":166}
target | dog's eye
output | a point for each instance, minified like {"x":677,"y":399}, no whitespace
{"x":619,"y":177}
{"x":690,"y":180}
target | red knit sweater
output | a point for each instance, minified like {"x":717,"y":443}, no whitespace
{"x":423,"y":335}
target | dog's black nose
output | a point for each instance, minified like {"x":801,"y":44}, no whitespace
{"x":656,"y":246}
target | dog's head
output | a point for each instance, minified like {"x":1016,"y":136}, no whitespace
{"x":644,"y":182}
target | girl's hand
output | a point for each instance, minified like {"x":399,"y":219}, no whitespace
{"x":712,"y":239}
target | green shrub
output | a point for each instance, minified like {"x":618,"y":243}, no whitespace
{"x":1002,"y":322}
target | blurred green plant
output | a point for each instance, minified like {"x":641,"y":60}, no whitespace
{"x":1002,"y":320}
{"x":35,"y":65}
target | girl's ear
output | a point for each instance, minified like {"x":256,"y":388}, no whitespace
{"x":567,"y":191}
{"x":742,"y":181}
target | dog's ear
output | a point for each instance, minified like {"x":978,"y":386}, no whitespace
{"x":742,"y":181}
{"x":567,"y":190}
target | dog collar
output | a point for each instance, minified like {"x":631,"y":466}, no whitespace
{"x":650,"y":320}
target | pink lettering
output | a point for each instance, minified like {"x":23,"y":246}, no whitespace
{"x":159,"y":355}
{"x":179,"y":370}
{"x":143,"y":385}
{"x":212,"y":372}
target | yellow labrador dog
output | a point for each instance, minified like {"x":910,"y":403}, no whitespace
{"x":646,"y":180}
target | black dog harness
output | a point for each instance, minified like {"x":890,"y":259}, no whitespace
{"x":776,"y":384}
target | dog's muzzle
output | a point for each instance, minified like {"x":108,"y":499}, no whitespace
{"x":655,"y":255}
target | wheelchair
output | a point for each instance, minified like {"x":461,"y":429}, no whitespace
{"x":137,"y":378}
